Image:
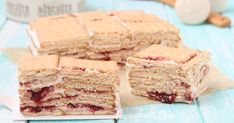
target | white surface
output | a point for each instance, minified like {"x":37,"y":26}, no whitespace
{"x":192,"y":11}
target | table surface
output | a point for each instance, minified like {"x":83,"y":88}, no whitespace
{"x":212,"y":108}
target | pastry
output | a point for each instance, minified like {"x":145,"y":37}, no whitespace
{"x":66,"y":86}
{"x":168,"y":74}
{"x":97,"y":35}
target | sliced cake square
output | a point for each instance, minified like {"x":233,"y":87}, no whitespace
{"x":61,"y":35}
{"x":147,"y":29}
{"x":37,"y":77}
{"x":66,"y":86}
{"x":168,"y":74}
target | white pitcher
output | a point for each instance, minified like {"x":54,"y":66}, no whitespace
{"x":193,"y":11}
{"x":218,"y":5}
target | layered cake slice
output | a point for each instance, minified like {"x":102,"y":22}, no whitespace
{"x":67,"y":86}
{"x":37,"y":79}
{"x":168,"y":74}
{"x":90,"y":85}
{"x":147,"y":29}
{"x":100,"y":35}
{"x":58,"y":35}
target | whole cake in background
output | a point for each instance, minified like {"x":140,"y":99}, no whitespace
{"x":49,"y":85}
{"x":168,"y":74}
{"x":99,"y":35}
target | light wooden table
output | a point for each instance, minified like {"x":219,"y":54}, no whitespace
{"x":212,"y":108}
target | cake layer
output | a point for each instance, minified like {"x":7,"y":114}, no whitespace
{"x":69,"y":109}
{"x":48,"y":93}
{"x":168,"y":74}
{"x":72,"y":99}
{"x":72,"y":64}
{"x":58,"y":33}
{"x":41,"y":65}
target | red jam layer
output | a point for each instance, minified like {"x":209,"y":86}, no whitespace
{"x":78,"y":68}
{"x":188,"y":96}
{"x":190,"y":58}
{"x":162,"y":58}
{"x":162,"y":97}
{"x":37,"y":96}
{"x":74,"y":68}
{"x":158,"y":58}
{"x":91,"y":107}
{"x":36,"y":109}
{"x":185,"y":85}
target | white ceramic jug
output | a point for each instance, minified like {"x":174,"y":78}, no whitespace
{"x":193,"y":11}
{"x":218,"y":5}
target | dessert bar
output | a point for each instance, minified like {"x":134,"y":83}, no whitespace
{"x":49,"y":85}
{"x":168,"y":74}
{"x":97,"y":35}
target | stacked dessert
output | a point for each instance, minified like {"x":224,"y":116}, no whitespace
{"x":66,"y":86}
{"x":168,"y":74}
{"x":99,"y":35}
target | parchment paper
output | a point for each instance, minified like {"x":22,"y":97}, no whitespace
{"x":216,"y":79}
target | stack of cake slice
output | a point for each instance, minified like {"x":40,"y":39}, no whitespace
{"x":99,"y":35}
{"x":67,"y":86}
{"x":168,"y":74}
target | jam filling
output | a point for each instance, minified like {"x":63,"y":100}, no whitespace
{"x":91,"y":107}
{"x":188,"y":96}
{"x":162,"y":97}
{"x":91,"y":91}
{"x":74,"y":68}
{"x":190,"y":58}
{"x":78,"y":68}
{"x":106,"y":54}
{"x":37,"y":96}
{"x":162,"y":58}
{"x":185,"y":85}
{"x":121,"y":64}
{"x":36,"y":109}
{"x":159,"y":58}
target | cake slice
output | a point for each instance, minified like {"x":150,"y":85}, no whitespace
{"x":66,"y":86}
{"x":58,"y":35}
{"x":168,"y":74}
{"x":37,"y":78}
{"x":147,"y":29}
{"x":91,"y":85}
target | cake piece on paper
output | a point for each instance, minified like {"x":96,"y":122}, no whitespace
{"x":168,"y":74}
{"x":37,"y":78}
{"x":90,"y":85}
{"x":66,"y":86}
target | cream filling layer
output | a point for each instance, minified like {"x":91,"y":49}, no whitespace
{"x":33,"y":49}
{"x":34,"y":37}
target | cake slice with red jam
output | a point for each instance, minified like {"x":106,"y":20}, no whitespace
{"x":37,"y":78}
{"x":90,"y":86}
{"x":49,"y":85}
{"x":168,"y":74}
